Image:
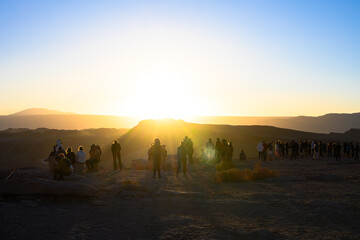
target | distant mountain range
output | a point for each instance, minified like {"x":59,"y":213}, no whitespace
{"x":37,"y":111}
{"x":44,"y":118}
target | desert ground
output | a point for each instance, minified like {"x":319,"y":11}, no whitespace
{"x":309,"y":200}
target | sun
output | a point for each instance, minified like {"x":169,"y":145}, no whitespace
{"x":162,"y":95}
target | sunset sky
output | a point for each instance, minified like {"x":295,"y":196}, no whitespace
{"x":181,"y":58}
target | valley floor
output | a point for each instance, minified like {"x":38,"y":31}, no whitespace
{"x":310,"y":200}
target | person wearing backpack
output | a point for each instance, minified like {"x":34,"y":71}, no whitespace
{"x":115,"y":149}
{"x":156,"y":153}
{"x":62,"y":168}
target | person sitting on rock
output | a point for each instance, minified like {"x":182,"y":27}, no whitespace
{"x":58,"y":145}
{"x":59,"y":151}
{"x":94,"y":158}
{"x":71,"y":155}
{"x":80,"y":160}
{"x":62,"y":168}
{"x":52,"y":160}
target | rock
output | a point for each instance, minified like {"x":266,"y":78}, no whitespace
{"x":29,"y":203}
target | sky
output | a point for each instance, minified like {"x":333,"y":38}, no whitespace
{"x":181,"y":58}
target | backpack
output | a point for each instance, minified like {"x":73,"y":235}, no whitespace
{"x":156,"y":152}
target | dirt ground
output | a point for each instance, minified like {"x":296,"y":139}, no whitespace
{"x":310,"y":200}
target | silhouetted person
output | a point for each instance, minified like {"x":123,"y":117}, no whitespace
{"x":203,"y":156}
{"x":190,"y":150}
{"x":210,"y":149}
{"x":156,"y":154}
{"x":265,"y":146}
{"x":115,"y":150}
{"x":181,"y":157}
{"x":163,"y":163}
{"x":95,"y":154}
{"x":270,"y":150}
{"x":71,"y":155}
{"x":224,"y":145}
{"x":242,"y":156}
{"x":356,"y":150}
{"x":58,"y":152}
{"x":337,"y":152}
{"x":230,"y":151}
{"x":52,"y":160}
{"x":62,"y":168}
{"x":58,"y":145}
{"x":218,"y":147}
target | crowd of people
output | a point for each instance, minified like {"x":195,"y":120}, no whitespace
{"x":308,"y":149}
{"x":65,"y":162}
{"x":221,"y":150}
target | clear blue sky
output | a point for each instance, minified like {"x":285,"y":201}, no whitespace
{"x":249,"y":58}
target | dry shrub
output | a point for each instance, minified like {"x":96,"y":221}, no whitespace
{"x":238,"y":175}
{"x":140,"y":164}
{"x":225,"y":165}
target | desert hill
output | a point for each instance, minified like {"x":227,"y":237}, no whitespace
{"x":25,"y":147}
{"x":137,"y":140}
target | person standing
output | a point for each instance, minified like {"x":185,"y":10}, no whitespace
{"x":115,"y":149}
{"x":190,"y":150}
{"x":218,"y":147}
{"x":163,"y":163}
{"x":210,"y":149}
{"x":260,"y":149}
{"x":357,"y":149}
{"x":156,"y":154}
{"x":181,"y":157}
{"x":230,"y":151}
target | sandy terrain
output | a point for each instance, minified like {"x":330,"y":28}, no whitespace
{"x":310,"y":200}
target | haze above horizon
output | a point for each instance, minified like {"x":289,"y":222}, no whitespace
{"x":181,"y":58}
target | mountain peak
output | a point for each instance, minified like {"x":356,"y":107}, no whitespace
{"x":36,"y":111}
